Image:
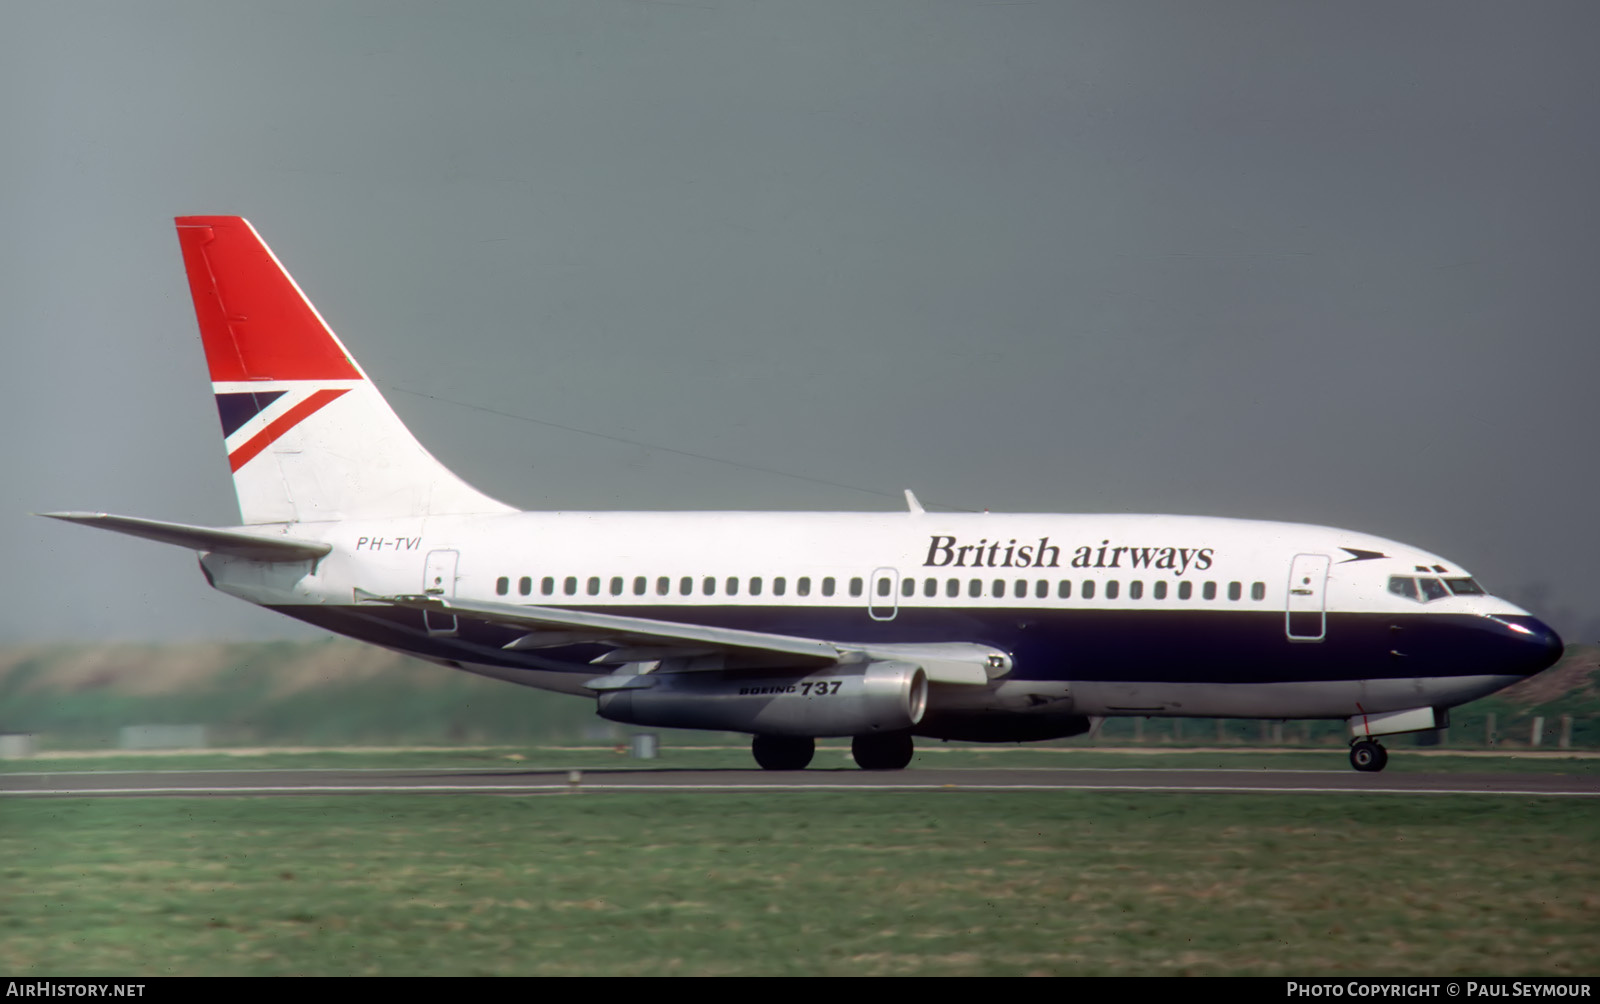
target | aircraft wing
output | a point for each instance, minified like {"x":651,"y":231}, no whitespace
{"x":630,"y":631}
{"x":644,"y":639}
{"x":257,"y":546}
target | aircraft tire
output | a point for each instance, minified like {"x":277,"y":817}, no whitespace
{"x":783,"y":752}
{"x":882,"y":752}
{"x":1368,"y":756}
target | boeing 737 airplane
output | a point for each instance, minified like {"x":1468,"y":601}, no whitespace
{"x":790,"y":626}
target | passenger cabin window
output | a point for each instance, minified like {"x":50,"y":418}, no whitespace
{"x":1135,"y":590}
{"x":1019,"y":589}
{"x":686,"y":585}
{"x":1185,"y":590}
{"x":1258,"y":590}
{"x":827,"y":585}
{"x":1158,"y":589}
{"x":731,"y":587}
{"x":640,"y":584}
{"x":1209,"y":591}
{"x":547,"y":585}
{"x":1111,"y":589}
{"x":525,"y":585}
{"x":908,"y":587}
{"x":755,"y":585}
{"x":1088,"y":589}
{"x":594,"y":585}
{"x":1064,"y":589}
{"x":663,"y":586}
{"x":975,"y":588}
{"x":885,"y":587}
{"x":802,"y":585}
{"x":502,"y":585}
{"x":930,"y":587}
{"x":780,"y":585}
{"x":855,"y":587}
{"x":1235,"y":590}
{"x":1041,"y":589}
{"x":708,"y":585}
{"x":952,"y":588}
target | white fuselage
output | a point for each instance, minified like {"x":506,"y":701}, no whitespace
{"x":1172,"y":615}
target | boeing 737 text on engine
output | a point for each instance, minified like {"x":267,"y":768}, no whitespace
{"x":789,"y":626}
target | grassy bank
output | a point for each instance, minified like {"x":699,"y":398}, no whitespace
{"x":341,"y":693}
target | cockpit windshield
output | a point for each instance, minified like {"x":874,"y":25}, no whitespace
{"x":1425,"y":589}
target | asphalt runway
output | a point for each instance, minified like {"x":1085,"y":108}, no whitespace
{"x":266,"y":782}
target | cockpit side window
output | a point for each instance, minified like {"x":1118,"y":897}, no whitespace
{"x":1464,"y":587}
{"x":1404,"y":585}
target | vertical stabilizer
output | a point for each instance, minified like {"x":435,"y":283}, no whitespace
{"x":307,"y":434}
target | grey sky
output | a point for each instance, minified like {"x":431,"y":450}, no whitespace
{"x":1332,"y":263}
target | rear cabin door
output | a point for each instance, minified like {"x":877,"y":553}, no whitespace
{"x":439,"y":579}
{"x":1307,"y":618}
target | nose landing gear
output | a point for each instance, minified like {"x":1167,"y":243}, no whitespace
{"x":1368,"y":755}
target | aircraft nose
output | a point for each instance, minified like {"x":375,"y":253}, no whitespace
{"x":1537,"y":646}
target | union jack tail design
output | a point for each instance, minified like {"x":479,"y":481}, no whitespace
{"x":308,"y":436}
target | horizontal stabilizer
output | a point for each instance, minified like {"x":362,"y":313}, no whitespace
{"x":256,"y":546}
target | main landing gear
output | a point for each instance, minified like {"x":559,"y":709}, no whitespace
{"x":783,"y":752}
{"x":882,"y":752}
{"x":1368,"y":755}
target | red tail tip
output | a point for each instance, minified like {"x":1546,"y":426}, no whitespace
{"x":254,"y":321}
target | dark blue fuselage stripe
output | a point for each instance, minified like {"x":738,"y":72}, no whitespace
{"x":1155,"y":646}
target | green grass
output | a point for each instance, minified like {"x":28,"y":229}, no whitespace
{"x":846,"y":883}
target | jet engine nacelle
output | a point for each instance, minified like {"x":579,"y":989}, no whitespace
{"x":839,"y":701}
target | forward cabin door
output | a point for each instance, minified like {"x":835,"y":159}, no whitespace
{"x":439,"y":579}
{"x":1307,"y":617}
